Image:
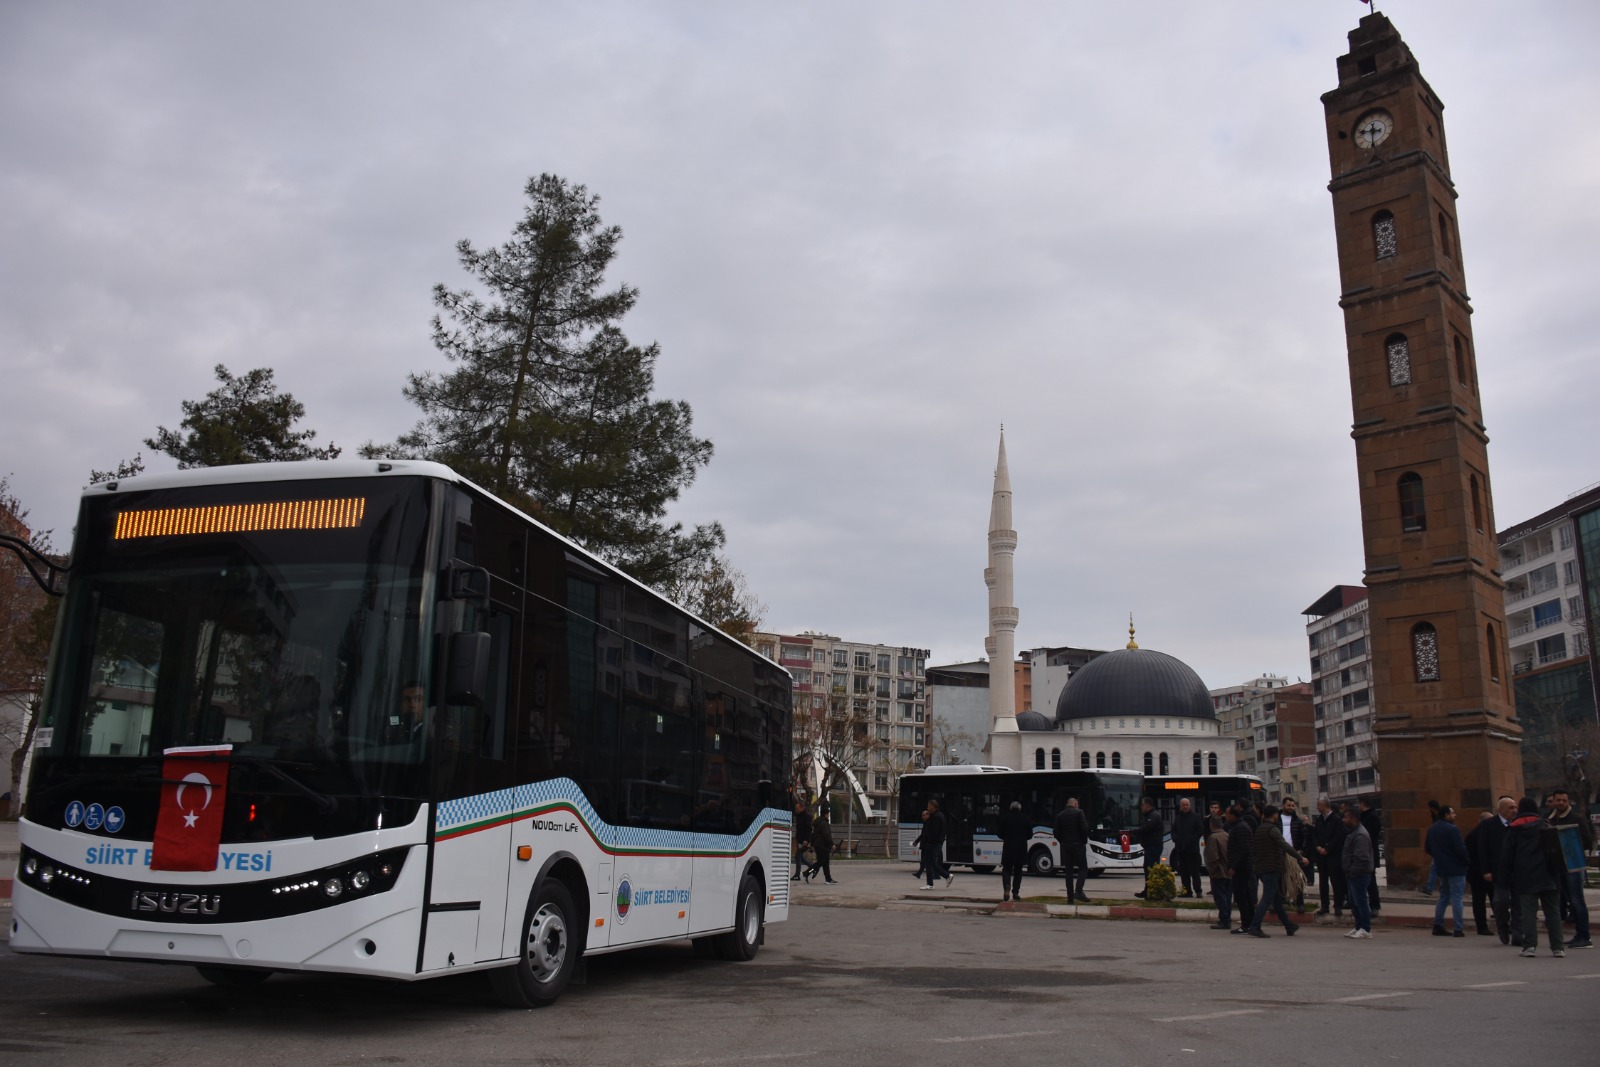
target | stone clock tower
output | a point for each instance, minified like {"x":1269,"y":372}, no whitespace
{"x":1444,"y":716}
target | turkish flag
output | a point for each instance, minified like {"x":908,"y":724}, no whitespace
{"x":189,"y":824}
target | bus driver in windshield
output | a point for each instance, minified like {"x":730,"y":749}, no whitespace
{"x":405,"y":724}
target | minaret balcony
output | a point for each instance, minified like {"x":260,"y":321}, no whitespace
{"x":1002,"y":618}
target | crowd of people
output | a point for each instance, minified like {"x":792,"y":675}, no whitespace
{"x":1261,"y":858}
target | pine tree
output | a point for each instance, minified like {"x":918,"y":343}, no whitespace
{"x":549,"y":404}
{"x":245,"y":420}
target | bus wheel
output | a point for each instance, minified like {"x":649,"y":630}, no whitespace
{"x":1039,"y":861}
{"x":744,"y":940}
{"x":234,"y":977}
{"x":550,"y":951}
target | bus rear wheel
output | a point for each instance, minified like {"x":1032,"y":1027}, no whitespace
{"x":1039,"y":861}
{"x":233,"y":977}
{"x":744,"y":940}
{"x":550,"y":950}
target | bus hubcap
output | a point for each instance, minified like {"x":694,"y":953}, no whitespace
{"x":547,"y":942}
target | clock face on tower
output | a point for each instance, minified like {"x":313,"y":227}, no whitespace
{"x":1373,"y":129}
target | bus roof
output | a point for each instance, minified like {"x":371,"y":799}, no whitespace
{"x":314,"y":469}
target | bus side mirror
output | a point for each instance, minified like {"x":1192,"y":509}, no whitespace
{"x":467,"y":676}
{"x":467,"y":583}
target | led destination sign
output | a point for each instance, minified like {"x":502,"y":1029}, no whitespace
{"x":334,"y":514}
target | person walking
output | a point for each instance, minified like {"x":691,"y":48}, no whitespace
{"x":1373,"y":823}
{"x":1016,"y":831}
{"x":1491,"y":843}
{"x":1527,"y":870}
{"x":1572,"y":902}
{"x":1267,"y":857}
{"x":1448,"y":849}
{"x":1360,"y":861}
{"x":802,"y":836}
{"x":1072,"y":837}
{"x":1188,"y":834}
{"x":1475,"y":879}
{"x":822,"y":842}
{"x":1149,"y":835}
{"x":1216,"y":860}
{"x":1240,"y":846}
{"x":1327,"y":835}
{"x":933,"y":847}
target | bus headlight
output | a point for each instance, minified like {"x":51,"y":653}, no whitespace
{"x":334,"y":887}
{"x":360,"y":880}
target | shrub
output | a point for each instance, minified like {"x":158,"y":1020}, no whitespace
{"x":1162,"y":884}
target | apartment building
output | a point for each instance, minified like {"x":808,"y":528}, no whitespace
{"x":1340,"y":641}
{"x":1551,"y":567}
{"x":873,"y":696}
{"x":1269,"y":721}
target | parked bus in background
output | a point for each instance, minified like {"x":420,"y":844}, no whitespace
{"x":974,"y":798}
{"x":1201,"y":790}
{"x":365,"y":718}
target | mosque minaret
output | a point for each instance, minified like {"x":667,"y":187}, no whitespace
{"x":1001,"y":645}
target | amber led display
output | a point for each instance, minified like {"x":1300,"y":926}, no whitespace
{"x":343,"y":513}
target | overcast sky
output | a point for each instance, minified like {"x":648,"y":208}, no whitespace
{"x":865,"y":235}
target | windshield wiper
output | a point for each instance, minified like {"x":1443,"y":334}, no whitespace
{"x":326,"y":803}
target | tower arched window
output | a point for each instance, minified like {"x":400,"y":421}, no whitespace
{"x":1398,"y":350}
{"x":1149,"y":763}
{"x":1413,"y":509}
{"x":1038,"y":759}
{"x":1100,"y":760}
{"x":1461,"y":360}
{"x":1494,"y":651}
{"x":1083,"y":760}
{"x":1446,"y":241}
{"x":1197,"y":768}
{"x":1212,"y":760}
{"x":1116,"y":760}
{"x":1425,"y":652}
{"x":1477,"y":503}
{"x":1384,"y":241}
{"x":1055,"y":759}
{"x":1165,"y":767}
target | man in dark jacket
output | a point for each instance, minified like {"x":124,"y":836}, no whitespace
{"x":1448,"y":850}
{"x":1475,"y":882}
{"x":1016,"y":831}
{"x":1269,"y":853}
{"x":1374,"y":826}
{"x":1244,"y":882}
{"x":1526,"y":867}
{"x":1359,"y":860}
{"x":933,"y":847}
{"x":1491,"y":842}
{"x":1562,"y":814}
{"x":1188,"y":831}
{"x":1072,"y":835}
{"x":1328,"y":844}
{"x":1149,"y":835}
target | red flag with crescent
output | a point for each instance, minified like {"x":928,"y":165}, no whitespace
{"x":189,"y":823}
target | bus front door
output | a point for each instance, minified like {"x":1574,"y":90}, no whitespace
{"x":958,"y":834}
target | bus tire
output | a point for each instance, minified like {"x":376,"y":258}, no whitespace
{"x":744,"y":940}
{"x":1039,"y":861}
{"x":233,"y":977}
{"x":551,"y":945}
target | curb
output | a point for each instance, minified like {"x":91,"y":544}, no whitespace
{"x":1031,"y":910}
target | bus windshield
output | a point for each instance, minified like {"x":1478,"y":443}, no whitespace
{"x":285,"y":619}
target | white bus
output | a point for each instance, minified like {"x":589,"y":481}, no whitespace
{"x":974,"y":798}
{"x":364,"y":718}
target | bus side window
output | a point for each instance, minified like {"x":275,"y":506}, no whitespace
{"x":472,"y":749}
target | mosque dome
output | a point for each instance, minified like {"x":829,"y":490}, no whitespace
{"x":1033,"y":720}
{"x":1134,"y":681}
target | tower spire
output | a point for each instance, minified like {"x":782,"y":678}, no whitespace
{"x":1002,"y":642}
{"x":1131,"y":642}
